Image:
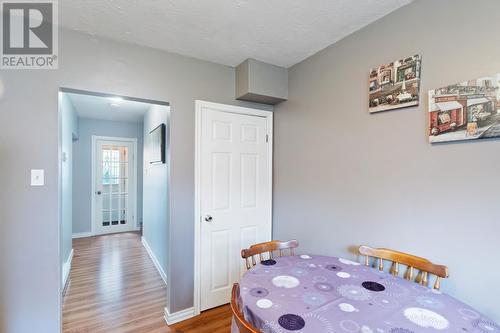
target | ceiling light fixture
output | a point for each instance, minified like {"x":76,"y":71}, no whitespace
{"x":116,"y":99}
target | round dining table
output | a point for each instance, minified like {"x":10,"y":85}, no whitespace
{"x":319,"y":294}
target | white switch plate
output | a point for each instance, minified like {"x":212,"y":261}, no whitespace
{"x":37,"y":177}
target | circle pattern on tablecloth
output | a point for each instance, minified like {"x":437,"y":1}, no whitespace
{"x":429,"y":302}
{"x":486,"y":326}
{"x":292,"y":322}
{"x":366,"y":329}
{"x":259,"y":292}
{"x":394,"y":289}
{"x":314,"y":299}
{"x":323,"y":286}
{"x":285,"y":281}
{"x":264,"y":303}
{"x":373,"y":286}
{"x":400,"y":330}
{"x":318,"y":323}
{"x":343,"y":275}
{"x":349,"y":325}
{"x":268,"y":262}
{"x":348,"y":262}
{"x":319,"y":278}
{"x":353,"y":292}
{"x":271,"y":326}
{"x":298,"y":271}
{"x":332,"y":267}
{"x":386,"y":302}
{"x":426,"y":318}
{"x":346,"y":307}
{"x":262,"y":270}
{"x":468,"y":313}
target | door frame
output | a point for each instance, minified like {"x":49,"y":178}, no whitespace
{"x":199,"y":106}
{"x":95,"y":138}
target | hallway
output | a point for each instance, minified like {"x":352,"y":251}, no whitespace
{"x":115,"y":288}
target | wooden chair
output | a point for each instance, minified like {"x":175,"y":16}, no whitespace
{"x":424,"y":266}
{"x":243,"y":325}
{"x":268,"y":247}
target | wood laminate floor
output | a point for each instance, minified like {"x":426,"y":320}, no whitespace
{"x":114,"y":287}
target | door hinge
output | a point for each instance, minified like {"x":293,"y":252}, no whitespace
{"x":267,"y":137}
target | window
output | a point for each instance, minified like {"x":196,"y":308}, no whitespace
{"x":111,"y":166}
{"x":444,"y":118}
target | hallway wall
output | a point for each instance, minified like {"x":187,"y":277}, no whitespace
{"x":69,"y":133}
{"x":156,"y":216}
{"x":82,"y":166}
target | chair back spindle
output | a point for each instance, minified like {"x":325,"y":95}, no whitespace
{"x":424,"y":266}
{"x":260,"y":250}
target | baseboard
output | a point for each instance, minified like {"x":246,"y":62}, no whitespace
{"x":82,"y":234}
{"x":172,"y":318}
{"x":154,"y":260}
{"x":66,"y":269}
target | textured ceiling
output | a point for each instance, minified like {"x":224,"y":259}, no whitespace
{"x":281,"y":32}
{"x":104,"y":108}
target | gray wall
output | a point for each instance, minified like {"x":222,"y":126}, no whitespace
{"x":156,"y":217}
{"x":82,"y":166}
{"x":29,"y":216}
{"x":354,"y":178}
{"x":69,"y":132}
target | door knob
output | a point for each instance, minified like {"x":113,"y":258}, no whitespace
{"x":98,"y":192}
{"x":208,"y":218}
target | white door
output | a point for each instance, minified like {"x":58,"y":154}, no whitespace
{"x":114,"y":186}
{"x":235,"y":194}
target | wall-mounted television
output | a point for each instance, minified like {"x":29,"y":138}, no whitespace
{"x":157,"y":145}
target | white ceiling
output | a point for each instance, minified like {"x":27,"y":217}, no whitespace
{"x":104,"y":108}
{"x":281,"y":32}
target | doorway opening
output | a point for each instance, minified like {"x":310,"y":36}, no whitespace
{"x":114,"y":208}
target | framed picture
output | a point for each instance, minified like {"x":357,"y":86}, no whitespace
{"x":465,"y":111}
{"x":157,"y":144}
{"x":395,"y":85}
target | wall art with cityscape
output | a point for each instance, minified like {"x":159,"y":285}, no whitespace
{"x":465,"y":111}
{"x":395,"y":85}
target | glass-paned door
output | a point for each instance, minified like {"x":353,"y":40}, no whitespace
{"x":115,"y":188}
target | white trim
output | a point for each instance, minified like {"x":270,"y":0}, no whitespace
{"x":199,"y":105}
{"x":172,"y":318}
{"x":95,"y":138}
{"x":82,"y":235}
{"x":60,"y":265}
{"x":90,"y":234}
{"x":66,"y":269}
{"x":154,"y":260}
{"x":114,"y":138}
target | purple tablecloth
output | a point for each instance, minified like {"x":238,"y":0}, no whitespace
{"x":317,"y":294}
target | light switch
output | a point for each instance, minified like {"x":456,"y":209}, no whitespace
{"x":37,"y":177}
